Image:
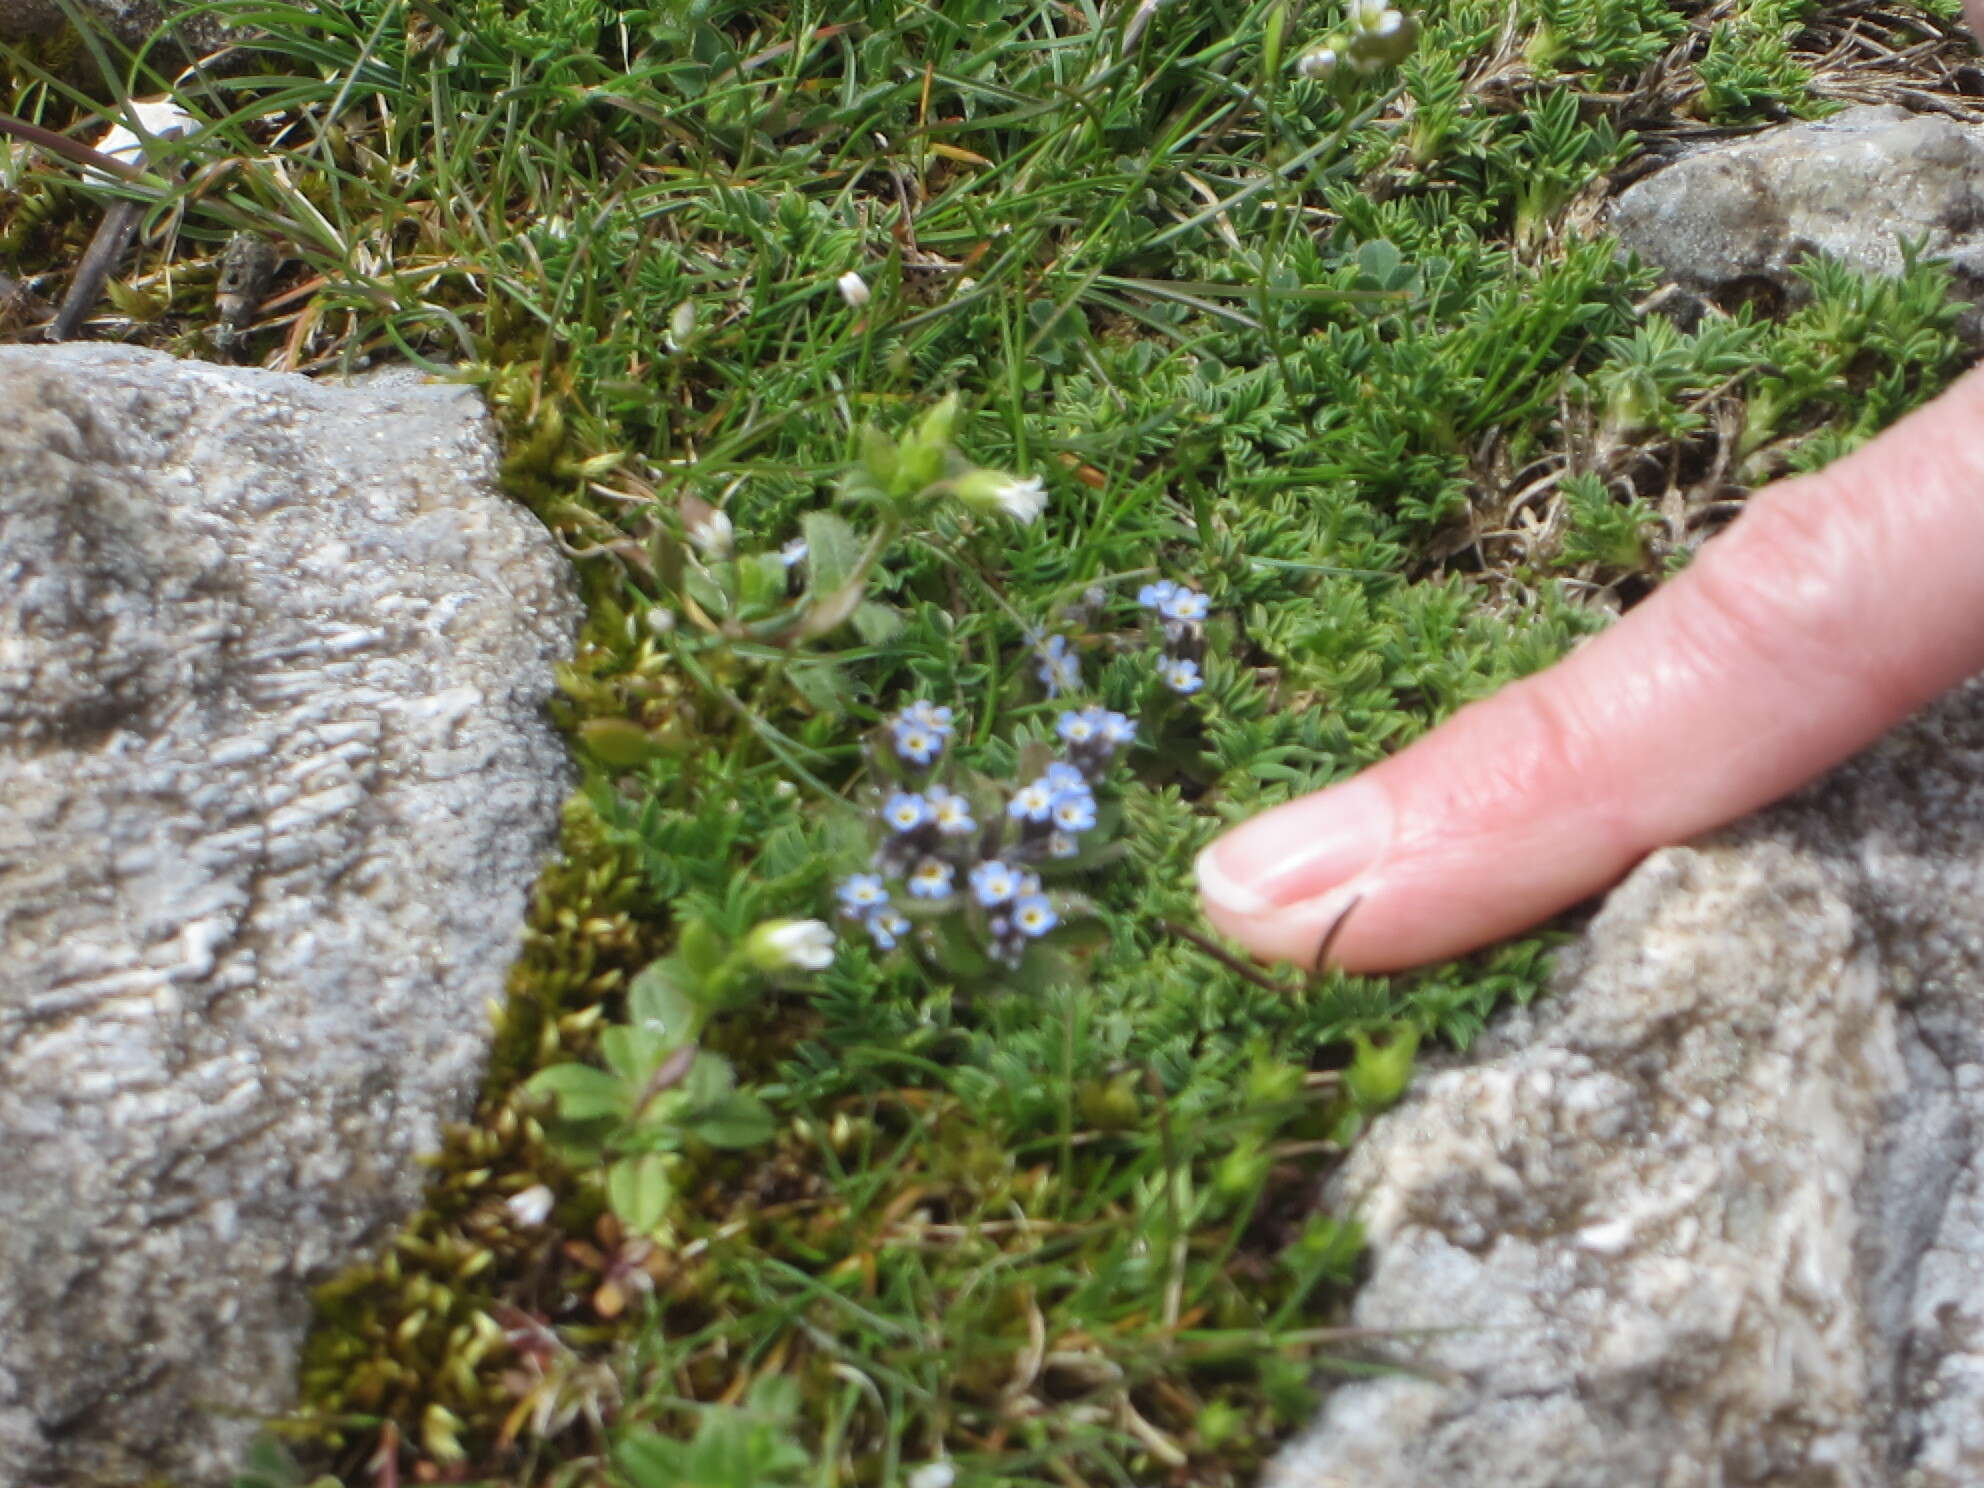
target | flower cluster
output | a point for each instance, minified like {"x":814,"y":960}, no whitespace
{"x":976,"y":862}
{"x":1181,"y":616}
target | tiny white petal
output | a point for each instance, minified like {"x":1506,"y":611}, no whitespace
{"x":1319,"y":63}
{"x":1023,"y":500}
{"x":938,"y":1474}
{"x":853,"y":288}
{"x":714,"y":536}
{"x":804,"y":945}
{"x":531,"y":1207}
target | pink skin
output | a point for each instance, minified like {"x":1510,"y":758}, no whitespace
{"x":1839,"y":603}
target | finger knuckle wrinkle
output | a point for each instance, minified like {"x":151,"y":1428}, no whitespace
{"x":1544,"y":747}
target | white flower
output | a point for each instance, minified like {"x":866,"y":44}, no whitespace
{"x":1318,"y":62}
{"x":938,"y":1474}
{"x":793,"y":553}
{"x":993,"y":490}
{"x":531,"y":1207}
{"x":791,"y":945}
{"x":714,"y":536}
{"x":853,"y":288}
{"x":1022,"y":500}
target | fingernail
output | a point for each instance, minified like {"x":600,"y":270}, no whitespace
{"x":1298,"y":852}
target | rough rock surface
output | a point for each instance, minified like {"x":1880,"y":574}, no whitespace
{"x":275,"y":781}
{"x":1752,"y":208}
{"x":1713,"y":1213}
{"x":132,"y":22}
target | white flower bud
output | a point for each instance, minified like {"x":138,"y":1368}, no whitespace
{"x":531,"y":1207}
{"x":993,"y":490}
{"x":714,"y":537}
{"x":790,"y":945}
{"x":681,"y":325}
{"x":660,"y":620}
{"x":853,"y":288}
{"x":1317,"y":62}
{"x":938,"y":1474}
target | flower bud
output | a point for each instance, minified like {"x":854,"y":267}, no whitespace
{"x":1385,"y":40}
{"x":790,"y":945}
{"x":853,"y":288}
{"x":1318,"y":63}
{"x":531,"y":1207}
{"x":714,"y":536}
{"x":681,"y":325}
{"x":1377,"y":1076}
{"x":1009,"y":495}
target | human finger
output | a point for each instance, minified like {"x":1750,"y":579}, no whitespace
{"x":1835,"y":606}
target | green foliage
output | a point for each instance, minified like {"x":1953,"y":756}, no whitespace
{"x":660,"y":1095}
{"x":1602,"y":529}
{"x":738,"y":1446}
{"x":1648,"y":376}
{"x":1863,"y":350}
{"x":1614,"y":39}
{"x":1289,"y":335}
{"x":1750,"y":68}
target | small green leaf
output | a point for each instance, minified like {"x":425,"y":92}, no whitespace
{"x":702,"y":949}
{"x":705,"y":591}
{"x":582,"y":1092}
{"x":876,"y":623}
{"x":640,"y":1191}
{"x":824,"y":688}
{"x":761,"y":579}
{"x":632,"y":1052}
{"x":833,"y":551}
{"x":660,"y":1002}
{"x":878,"y":453}
{"x":739,"y":1119}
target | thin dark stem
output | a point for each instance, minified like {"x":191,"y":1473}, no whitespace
{"x":113,"y":236}
{"x":69,"y":149}
{"x":1322,"y":961}
{"x":1225,"y":957}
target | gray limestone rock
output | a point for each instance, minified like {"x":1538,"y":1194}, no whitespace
{"x":1853,"y":186}
{"x":1713,"y":1214}
{"x":275,"y":780}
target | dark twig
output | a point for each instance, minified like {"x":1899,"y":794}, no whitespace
{"x":113,"y":236}
{"x":61,"y":144}
{"x":1225,"y":957}
{"x":1322,"y":961}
